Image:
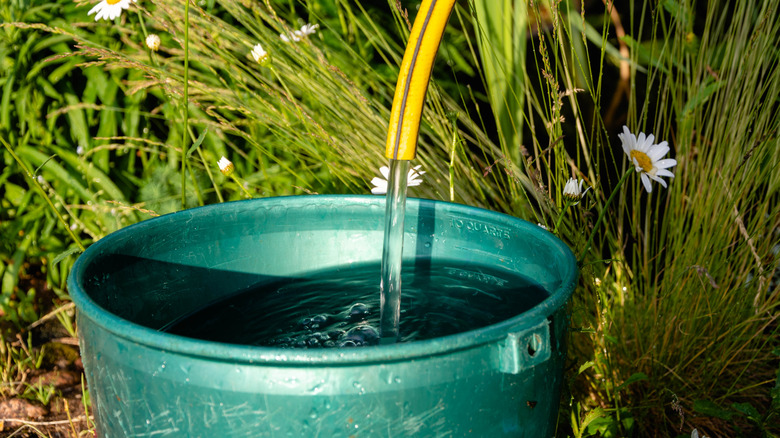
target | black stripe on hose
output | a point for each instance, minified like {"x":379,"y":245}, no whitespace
{"x":409,"y":80}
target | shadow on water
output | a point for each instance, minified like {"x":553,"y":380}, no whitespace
{"x":155,"y":293}
{"x":255,"y":309}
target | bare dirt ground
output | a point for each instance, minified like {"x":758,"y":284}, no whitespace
{"x":42,"y":374}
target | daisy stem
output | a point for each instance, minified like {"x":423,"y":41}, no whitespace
{"x":185,"y":99}
{"x":146,"y":34}
{"x":246,"y":192}
{"x":601,"y":216}
{"x":141,"y":22}
{"x":560,"y":217}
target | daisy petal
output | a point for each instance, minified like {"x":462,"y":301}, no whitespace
{"x":656,"y":152}
{"x":385,"y":171}
{"x":663,"y":164}
{"x":648,"y":143}
{"x":657,"y":179}
{"x":627,"y":139}
{"x":646,"y":183}
{"x":664,"y":172}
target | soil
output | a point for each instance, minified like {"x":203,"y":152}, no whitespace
{"x":47,"y":400}
{"x":22,"y":411}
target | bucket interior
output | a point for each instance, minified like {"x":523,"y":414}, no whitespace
{"x":162,"y":269}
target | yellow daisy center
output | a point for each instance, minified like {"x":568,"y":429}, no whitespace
{"x":643,"y":160}
{"x":113,"y":2}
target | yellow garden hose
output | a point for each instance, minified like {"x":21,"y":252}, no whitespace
{"x":414,"y":77}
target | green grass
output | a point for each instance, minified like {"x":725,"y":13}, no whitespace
{"x":675,"y":317}
{"x":683,"y":316}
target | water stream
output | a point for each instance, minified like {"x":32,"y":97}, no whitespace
{"x":392,"y":252}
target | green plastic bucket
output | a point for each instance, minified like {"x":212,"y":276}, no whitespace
{"x":499,"y":380}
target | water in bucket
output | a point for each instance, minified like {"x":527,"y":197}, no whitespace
{"x":341,"y":307}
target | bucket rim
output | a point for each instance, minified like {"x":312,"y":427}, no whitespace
{"x":211,"y":350}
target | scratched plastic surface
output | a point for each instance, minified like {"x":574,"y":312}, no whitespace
{"x":499,"y":380}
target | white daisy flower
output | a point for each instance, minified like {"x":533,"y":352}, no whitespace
{"x":109,"y":9}
{"x":308,"y":29}
{"x":292,"y":36}
{"x":297,"y":35}
{"x":259,"y":54}
{"x":153,"y":42}
{"x":542,"y":226}
{"x":225,"y":166}
{"x":646,"y":157}
{"x":413,"y":178}
{"x":573,"y":191}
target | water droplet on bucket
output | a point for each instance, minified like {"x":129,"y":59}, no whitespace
{"x":386,"y":375}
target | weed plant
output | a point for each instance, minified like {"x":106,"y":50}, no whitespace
{"x":675,"y":317}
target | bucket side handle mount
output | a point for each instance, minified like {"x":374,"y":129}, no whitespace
{"x":523,"y":350}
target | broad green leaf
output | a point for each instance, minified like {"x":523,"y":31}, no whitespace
{"x":589,"y":418}
{"x":595,"y":37}
{"x":709,"y":87}
{"x":709,"y":408}
{"x":680,"y":11}
{"x":61,"y":256}
{"x":748,"y":409}
{"x":645,"y":55}
{"x":636,"y":377}
{"x":585,"y":366}
{"x":197,"y":142}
